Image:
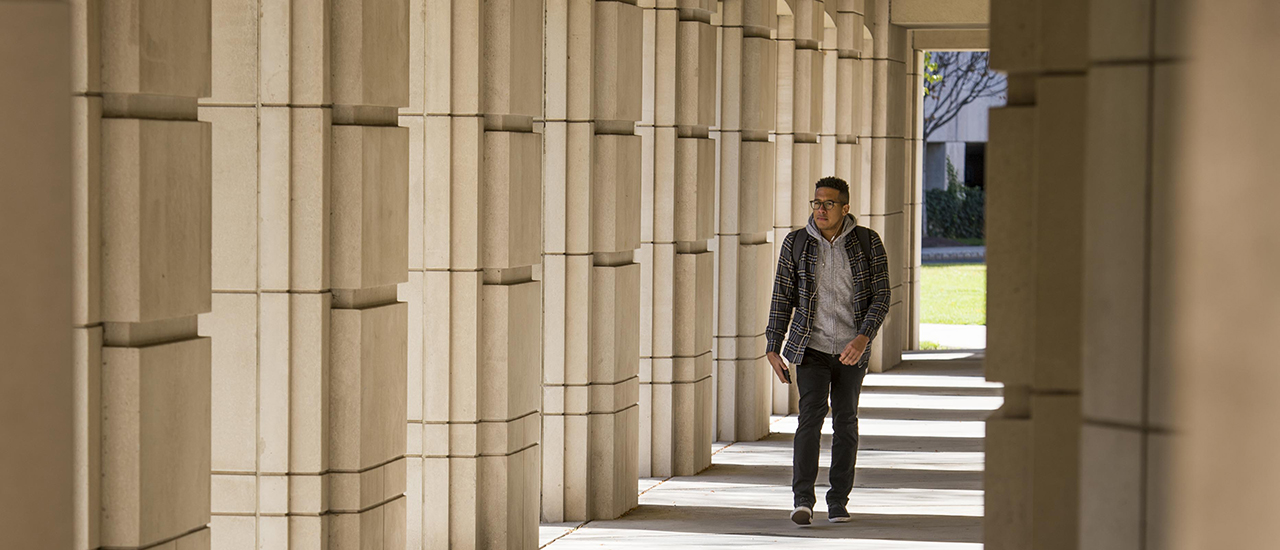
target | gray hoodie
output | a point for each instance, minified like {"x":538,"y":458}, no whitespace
{"x":834,"y":323}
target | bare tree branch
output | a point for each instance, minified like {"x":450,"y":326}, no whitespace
{"x":960,"y":78}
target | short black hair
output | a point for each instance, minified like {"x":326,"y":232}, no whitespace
{"x":837,"y":184}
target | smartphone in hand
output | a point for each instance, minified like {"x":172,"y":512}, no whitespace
{"x":786,"y":373}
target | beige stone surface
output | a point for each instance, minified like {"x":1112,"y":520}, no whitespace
{"x":692,"y":304}
{"x":155,"y":219}
{"x":758,"y":94}
{"x":86,"y":45}
{"x":272,"y":197}
{"x":805,"y":172}
{"x":156,"y":403}
{"x":695,"y":91}
{"x":466,"y":150}
{"x":510,"y":361}
{"x":1011,"y":245}
{"x":1111,"y":475}
{"x":728,"y":183}
{"x":1056,"y":472}
{"x":808,"y":93}
{"x":232,"y":328}
{"x":1059,"y":203}
{"x":1120,"y":30}
{"x":86,"y":205}
{"x":234,"y":38}
{"x":513,"y":57}
{"x":234,"y":265}
{"x":755,"y":287}
{"x":509,"y":491}
{"x":87,"y":426}
{"x":273,"y":381}
{"x":755,"y":191}
{"x":370,"y":52}
{"x":1008,"y":445}
{"x":369,"y":206}
{"x":612,"y":478}
{"x":615,"y":193}
{"x":614,"y":330}
{"x":512,"y":199}
{"x":616,"y":71}
{"x":309,"y":364}
{"x":366,"y":386}
{"x":310,"y":199}
{"x":694,"y":204}
{"x":156,"y":48}
{"x":1116,"y":239}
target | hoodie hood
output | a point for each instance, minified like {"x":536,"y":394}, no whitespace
{"x":849,"y":223}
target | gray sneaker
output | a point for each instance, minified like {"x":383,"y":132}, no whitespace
{"x":801,"y":515}
{"x":837,"y":514}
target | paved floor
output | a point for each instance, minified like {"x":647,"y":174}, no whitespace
{"x":955,"y":336}
{"x":918,"y":483}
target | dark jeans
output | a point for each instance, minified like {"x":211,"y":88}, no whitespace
{"x":819,"y":375}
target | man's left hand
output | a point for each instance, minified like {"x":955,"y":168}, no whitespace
{"x":854,"y":350}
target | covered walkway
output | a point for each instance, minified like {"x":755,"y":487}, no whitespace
{"x":919,"y":480}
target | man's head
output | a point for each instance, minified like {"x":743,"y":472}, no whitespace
{"x":831,"y":203}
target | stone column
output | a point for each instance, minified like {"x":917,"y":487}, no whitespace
{"x":310,"y":187}
{"x":270,"y":115}
{"x":1221,"y":343}
{"x":369,"y":163}
{"x":914,"y":207}
{"x":475,"y":357}
{"x":678,"y":203}
{"x":143,"y":237}
{"x":592,"y":298}
{"x":1035,"y":221}
{"x":46,"y":384}
{"x":745,"y":258}
{"x":886,"y":190}
{"x":800,"y":156}
{"x":1131,"y":307}
{"x":294,"y":234}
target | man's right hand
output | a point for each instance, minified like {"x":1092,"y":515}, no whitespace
{"x":779,"y":367}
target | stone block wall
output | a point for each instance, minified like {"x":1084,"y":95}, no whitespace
{"x":748,"y":92}
{"x":591,"y":300}
{"x":415,"y":273}
{"x":1079,"y":303}
{"x":474,"y":286}
{"x":141,"y":241}
{"x":309,"y":225}
{"x":677,"y":223}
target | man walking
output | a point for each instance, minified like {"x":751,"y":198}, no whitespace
{"x":835,"y":276}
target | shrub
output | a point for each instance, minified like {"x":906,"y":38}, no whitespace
{"x":956,"y":213}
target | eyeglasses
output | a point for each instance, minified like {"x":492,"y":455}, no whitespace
{"x":824,"y":205}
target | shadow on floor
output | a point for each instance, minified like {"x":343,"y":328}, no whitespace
{"x":772,"y":523}
{"x":864,"y":478}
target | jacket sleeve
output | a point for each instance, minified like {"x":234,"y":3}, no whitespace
{"x":783,"y":302}
{"x":880,"y":286}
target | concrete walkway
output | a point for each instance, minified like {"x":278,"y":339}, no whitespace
{"x":955,"y":336}
{"x":918,"y":484}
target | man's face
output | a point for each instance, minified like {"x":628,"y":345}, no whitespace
{"x":828,"y":218}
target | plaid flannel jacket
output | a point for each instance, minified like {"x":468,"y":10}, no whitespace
{"x":795,"y":288}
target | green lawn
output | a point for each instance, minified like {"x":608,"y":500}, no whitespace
{"x":954,"y":294}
